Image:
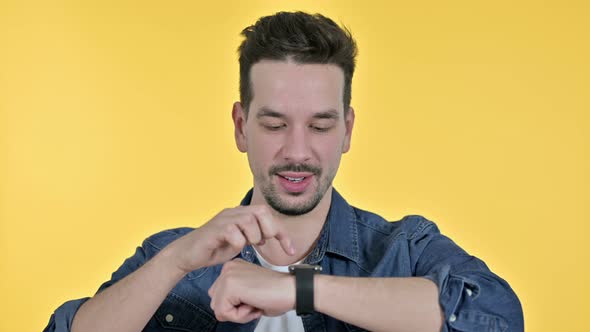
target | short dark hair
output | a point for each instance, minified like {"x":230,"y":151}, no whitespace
{"x":302,"y":37}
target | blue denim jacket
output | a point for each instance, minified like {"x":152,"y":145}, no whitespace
{"x":352,"y":243}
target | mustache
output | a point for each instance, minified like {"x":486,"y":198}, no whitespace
{"x":295,"y":168}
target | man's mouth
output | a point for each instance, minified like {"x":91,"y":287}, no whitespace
{"x":295,"y":181}
{"x":295,"y":176}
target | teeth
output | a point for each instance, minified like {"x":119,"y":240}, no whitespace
{"x":294,"y":179}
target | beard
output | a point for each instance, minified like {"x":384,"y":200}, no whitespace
{"x":283,"y":206}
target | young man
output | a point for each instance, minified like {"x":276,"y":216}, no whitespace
{"x":244,"y":269}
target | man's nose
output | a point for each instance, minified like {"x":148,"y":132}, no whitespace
{"x":296,"y":147}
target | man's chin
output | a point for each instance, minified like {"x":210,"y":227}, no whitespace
{"x":293,"y":210}
{"x":296,"y":195}
{"x":293,"y":204}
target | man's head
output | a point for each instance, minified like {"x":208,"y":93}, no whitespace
{"x":294,"y":120}
{"x":300,"y":37}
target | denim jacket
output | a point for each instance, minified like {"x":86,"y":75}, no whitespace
{"x":353,"y":243}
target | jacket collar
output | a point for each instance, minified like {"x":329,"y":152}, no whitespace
{"x":338,"y":236}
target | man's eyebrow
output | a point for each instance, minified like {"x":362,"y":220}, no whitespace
{"x":329,"y":114}
{"x":265,"y":111}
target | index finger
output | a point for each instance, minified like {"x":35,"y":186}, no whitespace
{"x":272,"y":229}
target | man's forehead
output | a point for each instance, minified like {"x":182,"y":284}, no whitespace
{"x":285,"y":85}
{"x":289,"y":70}
{"x":289,"y":62}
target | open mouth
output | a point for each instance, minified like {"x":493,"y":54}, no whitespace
{"x":294,"y":180}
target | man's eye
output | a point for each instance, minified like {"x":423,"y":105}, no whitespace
{"x":273,"y":127}
{"x":320,"y":129}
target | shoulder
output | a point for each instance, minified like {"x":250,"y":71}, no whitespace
{"x":409,"y":226}
{"x":161,"y":239}
{"x":389,"y":248}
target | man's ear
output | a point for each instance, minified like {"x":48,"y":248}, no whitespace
{"x":349,"y":123}
{"x":239,"y":116}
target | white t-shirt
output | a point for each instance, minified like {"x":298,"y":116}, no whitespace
{"x":287,"y":322}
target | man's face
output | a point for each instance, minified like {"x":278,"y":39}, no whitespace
{"x":295,"y":132}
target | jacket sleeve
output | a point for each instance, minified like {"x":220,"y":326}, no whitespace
{"x":471,"y":296}
{"x":61,"y":319}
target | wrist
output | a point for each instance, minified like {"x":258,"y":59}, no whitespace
{"x":168,"y":260}
{"x":305,"y":281}
{"x":291,"y":291}
{"x":318,"y":283}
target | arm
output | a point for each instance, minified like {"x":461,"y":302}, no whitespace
{"x":472,"y":297}
{"x":62,"y":319}
{"x":127,"y":306}
{"x":408,"y":304}
{"x":405,"y":304}
{"x":451,"y":290}
{"x":137,"y":289}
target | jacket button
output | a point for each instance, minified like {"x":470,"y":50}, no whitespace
{"x":452,"y":318}
{"x":469,"y":291}
{"x":169,"y":318}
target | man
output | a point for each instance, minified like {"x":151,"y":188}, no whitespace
{"x":243,"y":271}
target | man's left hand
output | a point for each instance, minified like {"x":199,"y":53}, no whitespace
{"x":245,"y":291}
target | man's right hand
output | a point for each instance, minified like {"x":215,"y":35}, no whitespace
{"x":224,"y":236}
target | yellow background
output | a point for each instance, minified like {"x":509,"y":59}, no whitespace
{"x":115,"y":124}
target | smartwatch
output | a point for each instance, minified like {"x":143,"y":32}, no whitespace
{"x":304,"y":287}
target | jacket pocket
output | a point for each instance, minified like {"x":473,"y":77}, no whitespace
{"x":471,"y":320}
{"x":179,"y":314}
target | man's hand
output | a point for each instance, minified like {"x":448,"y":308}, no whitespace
{"x":224,"y":236}
{"x":245,"y":291}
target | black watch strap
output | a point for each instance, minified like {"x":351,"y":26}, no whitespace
{"x":304,"y":287}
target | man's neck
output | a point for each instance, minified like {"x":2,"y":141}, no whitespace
{"x":304,"y":231}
